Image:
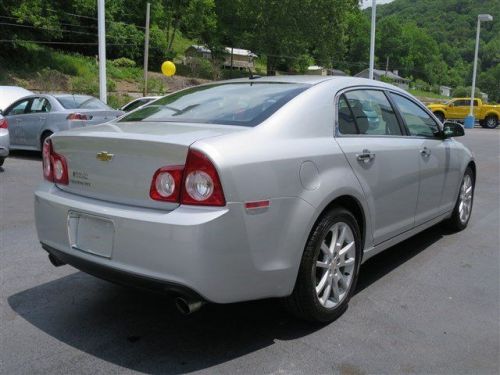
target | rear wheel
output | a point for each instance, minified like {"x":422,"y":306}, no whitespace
{"x":439,"y":116}
{"x":44,"y":136}
{"x":329,"y":268}
{"x":491,"y":122}
{"x":463,"y":208}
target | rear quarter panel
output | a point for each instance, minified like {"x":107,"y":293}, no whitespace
{"x":292,"y":160}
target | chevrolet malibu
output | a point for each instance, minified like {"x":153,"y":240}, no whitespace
{"x":252,"y":188}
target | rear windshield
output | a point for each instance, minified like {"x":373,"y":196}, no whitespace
{"x":244,"y":104}
{"x":81,"y":102}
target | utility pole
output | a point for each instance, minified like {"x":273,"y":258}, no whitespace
{"x":372,"y":39}
{"x":101,"y":29}
{"x":146,"y":50}
{"x":386,"y":66}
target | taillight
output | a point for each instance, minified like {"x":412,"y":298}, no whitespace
{"x":77,"y":116}
{"x":167,"y":183}
{"x":4,"y":124}
{"x":55,"y":168}
{"x":201,"y":183}
{"x":196,"y":183}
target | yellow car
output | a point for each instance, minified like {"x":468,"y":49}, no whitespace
{"x":458,"y":109}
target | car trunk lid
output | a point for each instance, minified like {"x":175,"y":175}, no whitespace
{"x":116,"y":161}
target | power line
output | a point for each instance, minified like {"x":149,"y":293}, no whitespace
{"x":60,"y":23}
{"x":44,"y":28}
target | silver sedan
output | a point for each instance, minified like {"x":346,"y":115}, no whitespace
{"x":35,"y":117}
{"x":253,"y":188}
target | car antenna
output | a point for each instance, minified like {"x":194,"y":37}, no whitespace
{"x":252,"y":76}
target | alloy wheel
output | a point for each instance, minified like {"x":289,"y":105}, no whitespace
{"x":334,"y":268}
{"x":465,"y":205}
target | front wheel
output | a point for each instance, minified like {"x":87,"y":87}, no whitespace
{"x":1,"y":161}
{"x":491,"y":122}
{"x":329,"y":268}
{"x":463,"y":207}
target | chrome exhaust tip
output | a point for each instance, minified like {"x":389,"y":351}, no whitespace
{"x":55,"y":261}
{"x":187,"y":307}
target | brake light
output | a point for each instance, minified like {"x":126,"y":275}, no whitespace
{"x":201,"y":184}
{"x":167,"y":183}
{"x":4,"y":124}
{"x":196,"y":183}
{"x":77,"y":116}
{"x":55,"y":167}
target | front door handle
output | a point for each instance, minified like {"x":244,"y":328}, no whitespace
{"x":366,"y":156}
{"x":426,"y":152}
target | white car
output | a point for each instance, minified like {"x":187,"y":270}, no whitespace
{"x":8,"y":95}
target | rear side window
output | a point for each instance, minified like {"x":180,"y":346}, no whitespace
{"x":40,"y":105}
{"x":369,"y":111}
{"x":418,"y":121}
{"x":81,"y":102}
{"x":243,"y":104}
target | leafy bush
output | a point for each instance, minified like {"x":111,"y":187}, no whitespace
{"x":155,"y":86}
{"x":118,"y":100}
{"x":84,"y":85}
{"x":123,"y":62}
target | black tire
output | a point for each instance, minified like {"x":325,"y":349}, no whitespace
{"x":439,"y":116}
{"x":491,"y":122}
{"x":44,"y":136}
{"x":1,"y":161}
{"x":454,"y":223}
{"x":304,"y":302}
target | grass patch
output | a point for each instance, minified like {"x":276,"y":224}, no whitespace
{"x":427,"y":94}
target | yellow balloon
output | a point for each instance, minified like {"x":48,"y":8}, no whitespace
{"x":168,"y":68}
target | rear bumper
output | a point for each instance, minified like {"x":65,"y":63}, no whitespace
{"x":4,"y":143}
{"x":220,"y":254}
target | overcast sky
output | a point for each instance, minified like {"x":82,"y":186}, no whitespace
{"x":368,"y":3}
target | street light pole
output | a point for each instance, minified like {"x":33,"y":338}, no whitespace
{"x":372,"y":39}
{"x":484,"y":18}
{"x":101,"y":29}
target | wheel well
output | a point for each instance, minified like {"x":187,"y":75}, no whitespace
{"x":440,"y":112}
{"x":352,"y":205}
{"x":492,"y":114}
{"x":472,"y":166}
{"x":46,"y":133}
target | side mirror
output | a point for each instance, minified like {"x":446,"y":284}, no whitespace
{"x":453,"y":129}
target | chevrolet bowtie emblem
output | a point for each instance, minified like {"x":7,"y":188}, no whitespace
{"x":104,"y":156}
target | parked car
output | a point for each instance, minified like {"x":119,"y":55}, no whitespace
{"x":4,"y":140}
{"x":9,"y":94}
{"x":252,"y":188}
{"x":34,"y":118}
{"x":136,"y":103}
{"x":459,"y":108}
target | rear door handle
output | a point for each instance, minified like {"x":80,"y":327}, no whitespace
{"x":366,"y":156}
{"x":425,"y":152}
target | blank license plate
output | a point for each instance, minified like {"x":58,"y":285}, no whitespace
{"x":91,"y":234}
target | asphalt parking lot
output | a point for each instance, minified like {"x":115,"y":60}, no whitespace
{"x":428,"y":305}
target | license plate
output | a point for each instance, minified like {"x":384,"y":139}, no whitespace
{"x":91,"y":234}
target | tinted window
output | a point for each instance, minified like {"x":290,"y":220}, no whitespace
{"x":372,"y":112}
{"x":418,"y":122}
{"x":18,"y":108}
{"x":460,"y":103}
{"x":245,"y":104}
{"x":81,"y":102}
{"x":136,"y":104}
{"x":347,"y":125}
{"x":40,"y":105}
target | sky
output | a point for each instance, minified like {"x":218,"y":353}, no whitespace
{"x":368,"y":3}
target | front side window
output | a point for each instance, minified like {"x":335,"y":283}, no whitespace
{"x":369,"y":111}
{"x":418,"y":121}
{"x":243,"y":104}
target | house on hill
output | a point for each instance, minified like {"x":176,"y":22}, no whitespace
{"x":237,"y":58}
{"x":393,"y":77}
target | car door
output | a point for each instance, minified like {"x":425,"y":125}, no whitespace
{"x":34,"y":120}
{"x":385,"y":161}
{"x":434,"y":159}
{"x":460,"y":109}
{"x":15,"y":117}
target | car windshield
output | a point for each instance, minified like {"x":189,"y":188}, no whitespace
{"x":244,"y":104}
{"x":81,"y":102}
